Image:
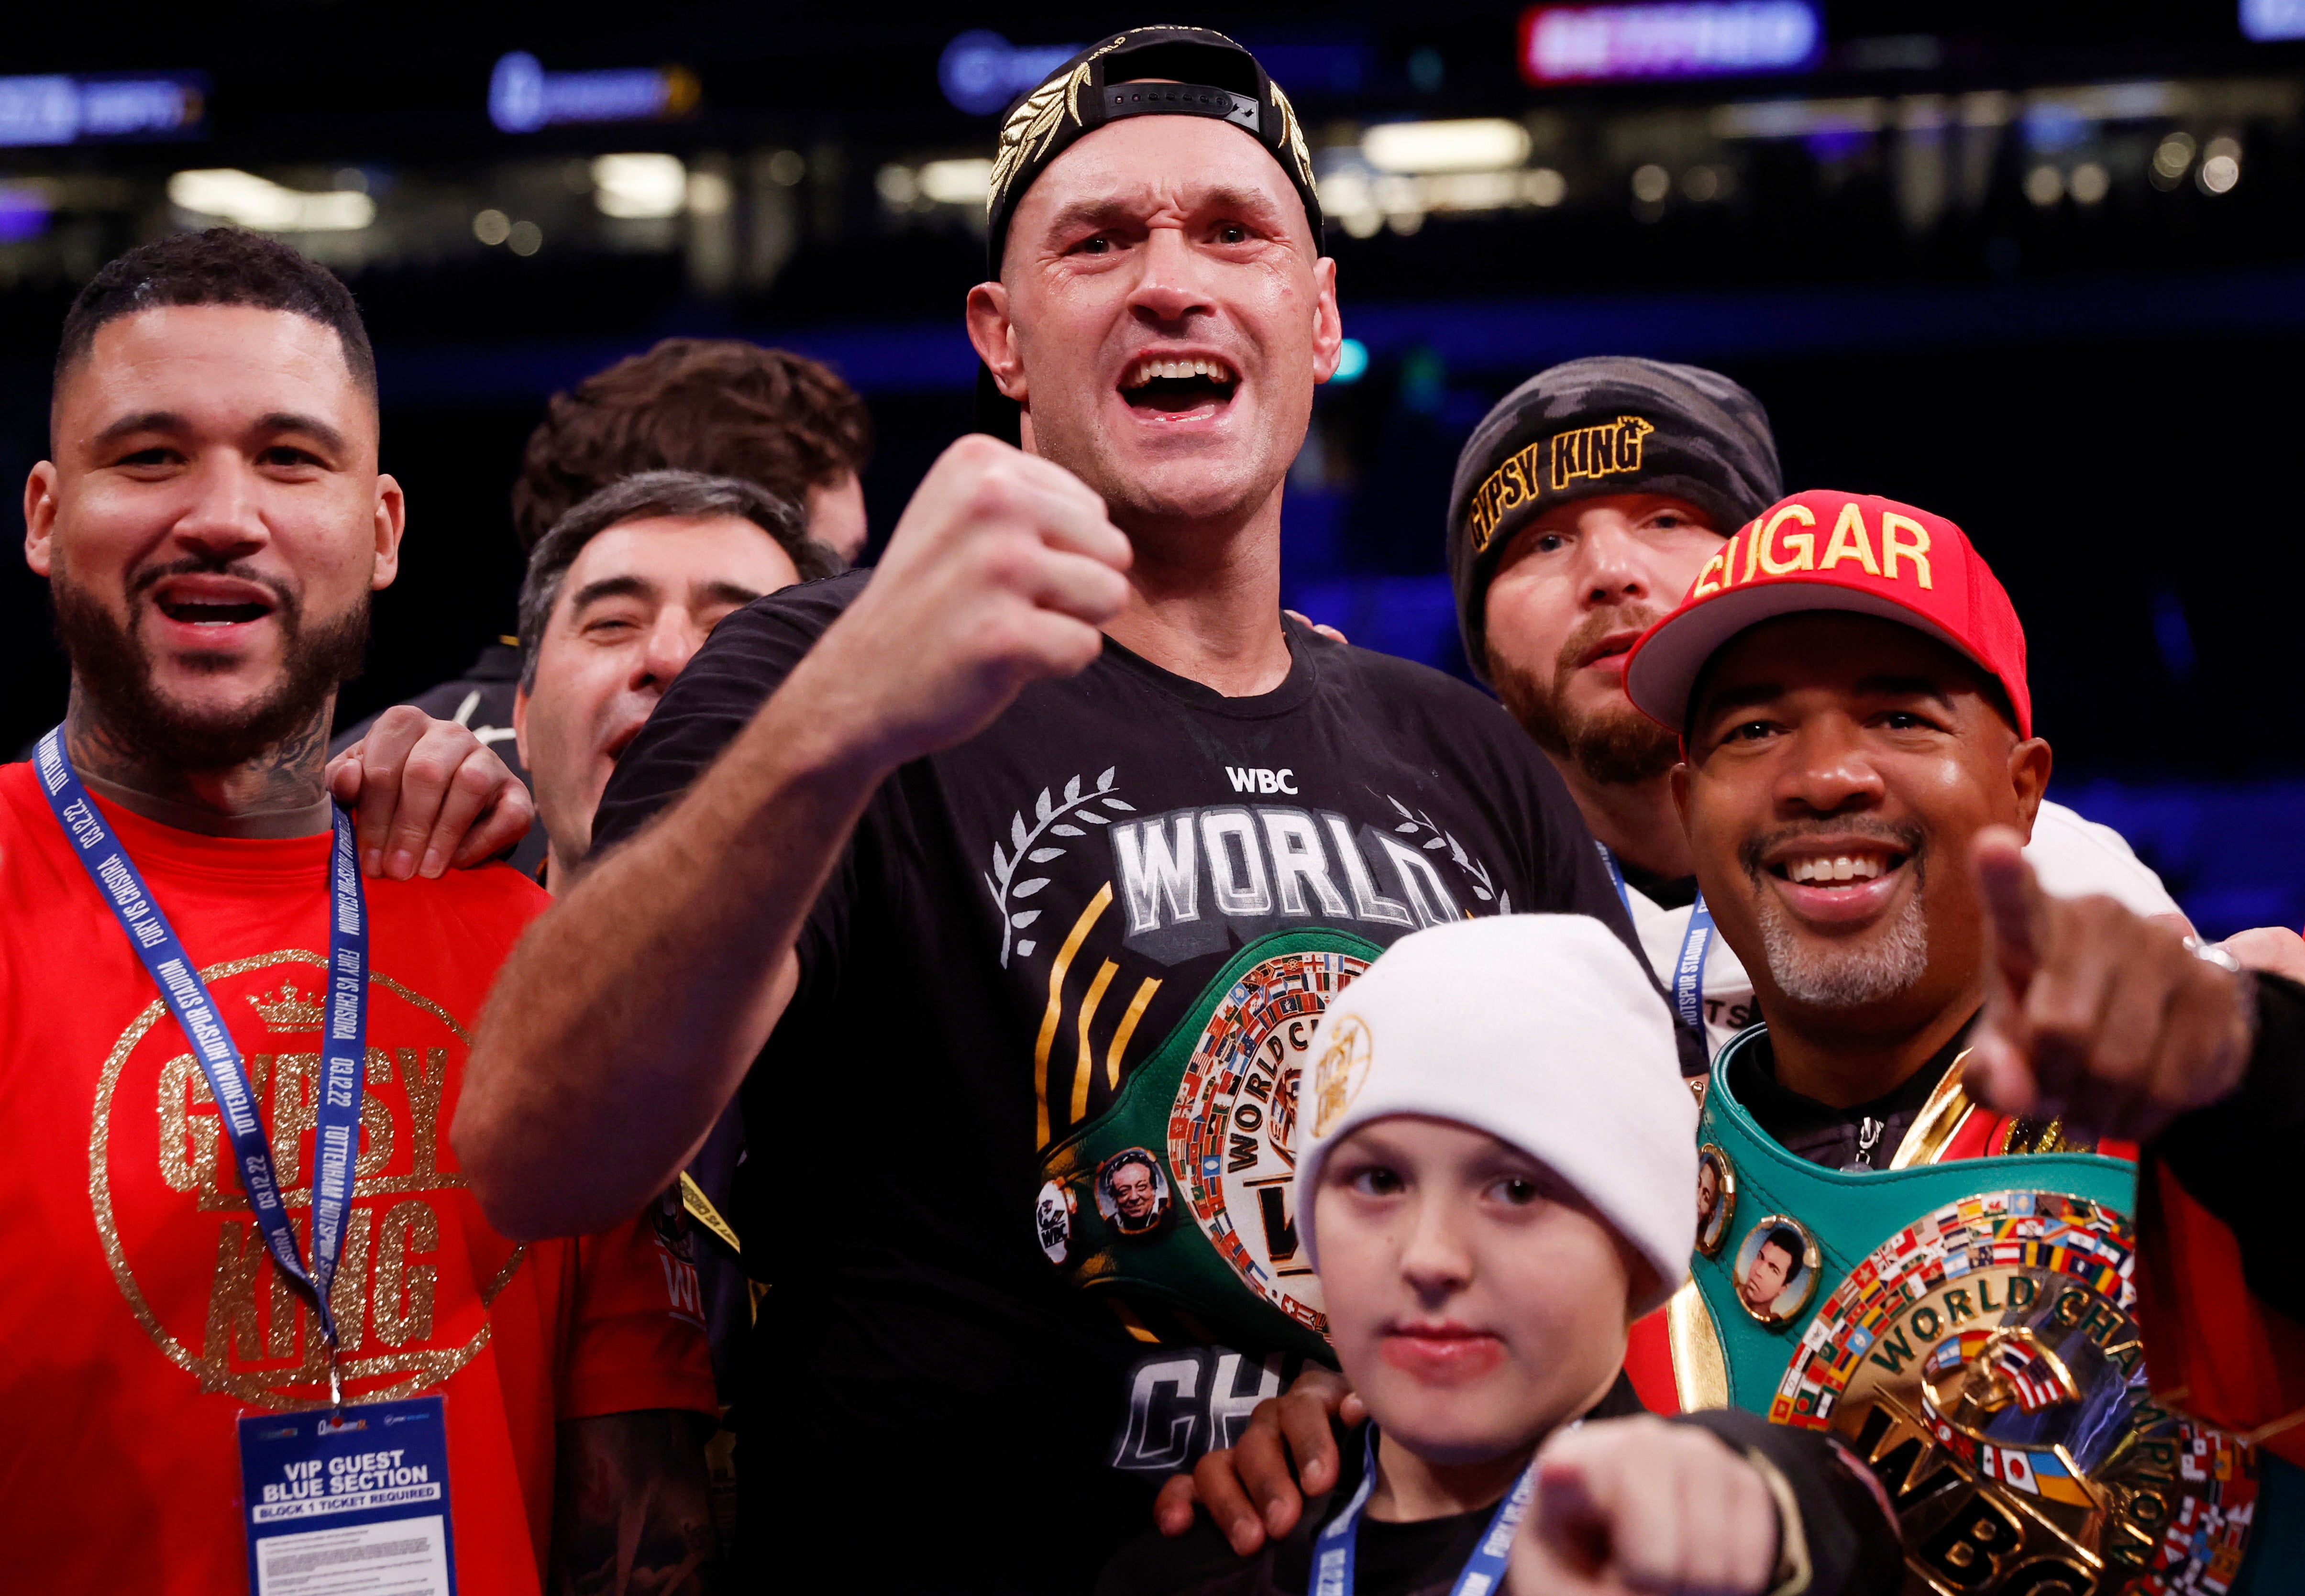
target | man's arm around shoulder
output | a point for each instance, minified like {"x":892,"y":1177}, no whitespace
{"x":625,"y":1019}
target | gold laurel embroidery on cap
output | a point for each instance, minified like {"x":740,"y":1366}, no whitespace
{"x":421,"y":1368}
{"x":1032,"y":126}
{"x":1292,"y":137}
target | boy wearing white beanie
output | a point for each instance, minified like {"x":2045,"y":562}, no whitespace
{"x":1492,"y":1192}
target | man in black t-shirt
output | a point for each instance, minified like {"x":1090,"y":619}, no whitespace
{"x":1028,"y":864}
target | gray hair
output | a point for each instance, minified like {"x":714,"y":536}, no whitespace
{"x":688,"y":495}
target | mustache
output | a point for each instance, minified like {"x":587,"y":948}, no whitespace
{"x":1904,"y":835}
{"x":1600,"y":624}
{"x":289,"y":604}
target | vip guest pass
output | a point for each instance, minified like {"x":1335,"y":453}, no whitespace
{"x":351,"y":1502}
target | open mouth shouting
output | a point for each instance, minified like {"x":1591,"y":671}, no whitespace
{"x":1840,"y":877}
{"x":1178,"y":387}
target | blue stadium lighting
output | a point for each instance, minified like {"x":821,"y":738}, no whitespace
{"x":56,"y":109}
{"x":1352,"y":362}
{"x":981,"y":72}
{"x":24,"y":212}
{"x":1570,"y":44}
{"x":523,"y":96}
{"x":2267,"y":20}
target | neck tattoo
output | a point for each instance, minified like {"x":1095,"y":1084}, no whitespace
{"x":282,"y":791}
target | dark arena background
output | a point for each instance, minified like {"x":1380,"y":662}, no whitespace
{"x":2040,"y":267}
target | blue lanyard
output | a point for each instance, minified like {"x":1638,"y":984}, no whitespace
{"x":1689,"y":974}
{"x":1616,"y":876}
{"x":1695,"y":943}
{"x":1333,"y":1550}
{"x":343,"y":1069}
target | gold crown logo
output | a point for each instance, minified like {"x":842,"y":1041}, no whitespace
{"x":287,"y":1009}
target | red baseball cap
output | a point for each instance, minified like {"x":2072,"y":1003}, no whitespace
{"x":1841,"y":551}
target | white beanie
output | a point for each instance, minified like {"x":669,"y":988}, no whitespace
{"x":1543,"y":1029}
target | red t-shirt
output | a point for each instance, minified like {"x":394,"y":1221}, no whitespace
{"x":140,"y":1315}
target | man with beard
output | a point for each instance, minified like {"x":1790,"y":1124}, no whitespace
{"x":1052,"y":841}
{"x":229,"y":1064}
{"x":1583,"y":505}
{"x":1848,"y":681}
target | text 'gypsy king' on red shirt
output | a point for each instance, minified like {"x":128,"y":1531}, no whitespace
{"x":141,"y":1315}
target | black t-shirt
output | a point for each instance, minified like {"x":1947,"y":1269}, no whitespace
{"x":1865,"y":1136}
{"x":1016,"y":925}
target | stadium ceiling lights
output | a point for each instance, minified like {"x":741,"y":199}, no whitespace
{"x":56,"y":109}
{"x":980,"y":72}
{"x":1477,"y":144}
{"x":260,"y":203}
{"x":2267,"y":20}
{"x":523,"y":97}
{"x":1570,"y":44}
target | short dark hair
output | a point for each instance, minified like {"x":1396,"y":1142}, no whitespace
{"x":224,"y":266}
{"x":687,"y":494}
{"x":718,"y":405}
{"x":1786,"y":1240}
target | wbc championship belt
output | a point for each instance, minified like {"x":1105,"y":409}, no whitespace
{"x":1967,"y":1328}
{"x":1180,"y":1194}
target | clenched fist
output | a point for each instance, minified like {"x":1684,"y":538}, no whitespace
{"x":1002,"y":573}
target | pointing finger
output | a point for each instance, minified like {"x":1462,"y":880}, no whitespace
{"x":2014,"y":911}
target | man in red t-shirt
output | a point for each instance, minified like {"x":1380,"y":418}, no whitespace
{"x":212,"y":524}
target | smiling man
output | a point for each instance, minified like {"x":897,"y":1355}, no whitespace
{"x":721,"y":406}
{"x":1050,"y":845}
{"x":619,"y":595}
{"x":1583,"y":505}
{"x":1847,"y":680}
{"x":2054,"y":1356}
{"x":213,"y":1033}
